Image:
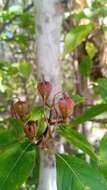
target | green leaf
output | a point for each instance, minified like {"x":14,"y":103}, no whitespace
{"x":91,"y":49}
{"x":78,"y":99}
{"x":101,"y":87}
{"x":42,"y":127}
{"x":77,"y":35}
{"x":75,"y":174}
{"x":85,"y":66}
{"x":16,"y":164}
{"x":17,"y":126}
{"x":22,"y":40}
{"x":37,"y":113}
{"x":103,"y":155}
{"x":12,"y":70}
{"x":7,"y":137}
{"x":77,"y":139}
{"x":90,"y":113}
{"x":25,"y":69}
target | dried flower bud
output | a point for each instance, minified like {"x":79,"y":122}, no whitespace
{"x":66,"y":106}
{"x":19,"y":109}
{"x":45,"y":89}
{"x":30,"y":129}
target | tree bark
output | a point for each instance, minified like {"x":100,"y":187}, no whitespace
{"x":48,"y":28}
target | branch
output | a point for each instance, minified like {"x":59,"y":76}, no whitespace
{"x":103,"y":121}
{"x":15,"y":17}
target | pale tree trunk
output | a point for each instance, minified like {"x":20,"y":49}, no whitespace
{"x":48,"y":28}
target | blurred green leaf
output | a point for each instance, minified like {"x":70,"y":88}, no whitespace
{"x":12,"y":70}
{"x":91,"y":49}
{"x":90,"y":113}
{"x":101,"y":1}
{"x":103,"y":155}
{"x":101,"y":88}
{"x":75,"y":174}
{"x":27,"y":22}
{"x":78,"y":99}
{"x":16,"y":164}
{"x":100,"y":11}
{"x":77,"y":139}
{"x":77,"y":35}
{"x":25,"y":69}
{"x":85,"y":66}
{"x":22,"y":40}
{"x":6,"y":15}
{"x":96,"y":10}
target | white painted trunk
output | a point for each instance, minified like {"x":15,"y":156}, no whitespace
{"x":48,"y":27}
{"x":47,"y":177}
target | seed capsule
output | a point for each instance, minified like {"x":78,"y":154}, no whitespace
{"x":19,"y":109}
{"x":66,"y":106}
{"x":30,"y":129}
{"x":45,"y":89}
